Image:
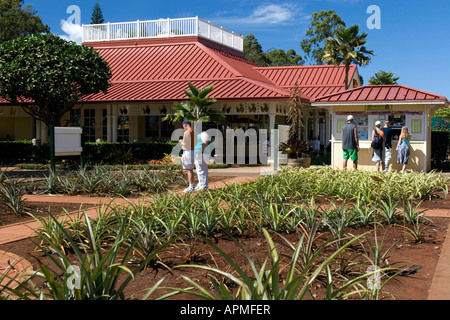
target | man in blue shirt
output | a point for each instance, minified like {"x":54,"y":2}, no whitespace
{"x":387,"y":146}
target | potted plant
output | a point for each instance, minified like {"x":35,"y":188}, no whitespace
{"x":299,"y":152}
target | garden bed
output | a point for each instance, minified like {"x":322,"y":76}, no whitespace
{"x":414,"y":286}
{"x":417,"y":258}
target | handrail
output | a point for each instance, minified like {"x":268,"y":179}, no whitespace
{"x":162,"y":28}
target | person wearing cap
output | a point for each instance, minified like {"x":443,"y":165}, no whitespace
{"x":187,"y":159}
{"x":378,"y":154}
{"x":350,"y":142}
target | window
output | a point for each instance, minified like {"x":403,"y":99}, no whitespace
{"x":167,"y":128}
{"x":362,"y":122}
{"x":416,"y":126}
{"x":397,"y":122}
{"x":152,"y":127}
{"x":89,"y":124}
{"x":264,"y":121}
{"x":75,"y":118}
{"x":123,"y":129}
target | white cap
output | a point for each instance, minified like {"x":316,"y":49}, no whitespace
{"x":378,"y":123}
{"x":349,"y":118}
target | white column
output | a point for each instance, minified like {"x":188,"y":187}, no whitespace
{"x":272,"y":115}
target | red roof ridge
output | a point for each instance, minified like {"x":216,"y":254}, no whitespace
{"x":307,"y":66}
{"x":213,"y":54}
{"x":352,"y":95}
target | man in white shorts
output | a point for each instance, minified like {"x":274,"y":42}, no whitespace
{"x":187,"y":159}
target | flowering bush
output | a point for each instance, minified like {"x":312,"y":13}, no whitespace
{"x":166,"y":160}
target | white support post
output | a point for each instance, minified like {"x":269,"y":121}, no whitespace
{"x":138,"y":30}
{"x":168,"y":27}
{"x":197,"y":26}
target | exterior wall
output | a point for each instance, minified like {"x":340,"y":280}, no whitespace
{"x":417,"y":119}
{"x":15,"y":124}
{"x":416,"y":160}
{"x":6,"y":129}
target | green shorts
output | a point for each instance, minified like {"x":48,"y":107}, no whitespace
{"x":351,"y":154}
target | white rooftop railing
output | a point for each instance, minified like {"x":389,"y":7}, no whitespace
{"x":162,"y":28}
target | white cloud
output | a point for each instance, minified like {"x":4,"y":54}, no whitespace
{"x":74,"y":32}
{"x":272,"y":14}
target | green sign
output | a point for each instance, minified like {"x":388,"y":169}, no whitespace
{"x":379,"y":108}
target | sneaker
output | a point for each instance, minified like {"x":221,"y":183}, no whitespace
{"x":188,"y":189}
{"x":200,"y":188}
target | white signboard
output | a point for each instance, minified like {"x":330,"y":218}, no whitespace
{"x":68,"y":141}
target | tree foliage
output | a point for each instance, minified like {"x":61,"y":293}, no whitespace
{"x":443,"y":113}
{"x":16,"y":21}
{"x":383,"y":77}
{"x":197,"y":108}
{"x":347,"y":47}
{"x":48,"y":75}
{"x":323,"y":25}
{"x":272,"y":58}
{"x":253,"y":51}
{"x":279,"y":57}
{"x":97,"y":15}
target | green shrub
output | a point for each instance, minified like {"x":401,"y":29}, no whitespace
{"x":14,"y":152}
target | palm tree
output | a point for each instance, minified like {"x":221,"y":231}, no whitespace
{"x":347,"y":47}
{"x":198,"y":108}
{"x":383,"y":77}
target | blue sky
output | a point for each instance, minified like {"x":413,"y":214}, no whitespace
{"x":413,"y":40}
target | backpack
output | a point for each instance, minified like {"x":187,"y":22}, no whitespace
{"x":377,"y":142}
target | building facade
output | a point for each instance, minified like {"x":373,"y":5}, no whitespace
{"x":152,"y":63}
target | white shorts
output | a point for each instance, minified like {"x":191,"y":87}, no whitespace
{"x":187,"y":159}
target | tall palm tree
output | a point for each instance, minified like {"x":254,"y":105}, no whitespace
{"x":383,"y":77}
{"x":347,"y":47}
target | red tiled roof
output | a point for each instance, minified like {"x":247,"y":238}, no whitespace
{"x":159,"y":91}
{"x":381,"y":93}
{"x":161,"y":71}
{"x":315,"y":81}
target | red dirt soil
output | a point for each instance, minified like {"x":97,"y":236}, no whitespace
{"x":415,"y":286}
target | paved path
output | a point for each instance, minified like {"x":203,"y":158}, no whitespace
{"x":440,"y":290}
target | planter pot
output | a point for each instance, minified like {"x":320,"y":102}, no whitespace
{"x":301,"y":162}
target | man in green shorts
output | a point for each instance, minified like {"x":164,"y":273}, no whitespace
{"x":350,"y":143}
